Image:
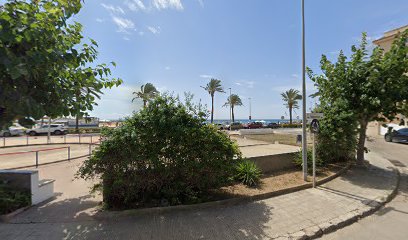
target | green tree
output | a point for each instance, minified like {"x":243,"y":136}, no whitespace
{"x":365,"y":87}
{"x":291,"y":99}
{"x":164,"y":152}
{"x":147,"y":92}
{"x":212,"y":87}
{"x":232,"y":101}
{"x":45,"y":62}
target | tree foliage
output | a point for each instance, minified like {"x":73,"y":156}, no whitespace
{"x":363,"y":88}
{"x":233,"y":101}
{"x":44,"y":67}
{"x":147,"y":92}
{"x":213,"y":86}
{"x":291,"y":99}
{"x":164,"y":153}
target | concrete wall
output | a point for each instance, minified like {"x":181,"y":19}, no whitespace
{"x":274,"y":163}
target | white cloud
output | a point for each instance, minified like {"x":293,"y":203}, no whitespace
{"x":99,"y":20}
{"x":163,"y":4}
{"x":126,"y":38}
{"x":244,"y":83}
{"x":123,"y":24}
{"x":206,"y":76}
{"x":135,"y":5}
{"x":141,"y":33}
{"x":295,"y":75}
{"x":167,"y":68}
{"x":154,"y":30}
{"x":112,"y":9}
{"x":201,"y":2}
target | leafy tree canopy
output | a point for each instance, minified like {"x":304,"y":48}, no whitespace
{"x":366,"y":86}
{"x":43,"y":62}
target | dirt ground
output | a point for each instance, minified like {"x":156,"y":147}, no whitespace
{"x":279,"y":180}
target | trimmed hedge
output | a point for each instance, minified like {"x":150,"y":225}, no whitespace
{"x":12,"y":199}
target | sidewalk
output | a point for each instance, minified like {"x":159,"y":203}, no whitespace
{"x":296,"y":215}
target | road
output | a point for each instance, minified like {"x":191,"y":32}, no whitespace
{"x":392,"y":220}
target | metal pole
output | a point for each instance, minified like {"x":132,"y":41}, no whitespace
{"x":91,"y":138}
{"x":27,"y":141}
{"x":314,"y":160}
{"x":69,"y":153}
{"x":65,"y":138}
{"x":304,"y":136}
{"x":250,"y":110}
{"x":79,"y":137}
{"x":90,"y":150}
{"x":36,"y":159}
{"x":230,"y":109}
{"x":4,"y":141}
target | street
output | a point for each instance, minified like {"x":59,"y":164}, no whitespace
{"x":391,"y":221}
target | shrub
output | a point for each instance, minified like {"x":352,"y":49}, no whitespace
{"x":164,"y":154}
{"x":13,"y":199}
{"x":293,"y":125}
{"x":247,"y":173}
{"x":299,"y":161}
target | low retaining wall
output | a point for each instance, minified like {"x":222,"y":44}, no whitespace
{"x":274,"y":163}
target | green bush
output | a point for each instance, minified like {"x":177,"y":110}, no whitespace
{"x":12,"y":199}
{"x":247,"y":173}
{"x":299,"y":161}
{"x":164,"y":154}
{"x":85,"y":130}
{"x":293,"y":125}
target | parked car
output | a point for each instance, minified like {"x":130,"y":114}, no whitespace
{"x":254,"y":125}
{"x":236,"y":126}
{"x":400,"y":135}
{"x":11,"y":132}
{"x":272,"y":125}
{"x":56,"y":129}
{"x":219,"y":126}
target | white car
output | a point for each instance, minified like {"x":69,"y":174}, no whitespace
{"x":11,"y":132}
{"x":56,"y":129}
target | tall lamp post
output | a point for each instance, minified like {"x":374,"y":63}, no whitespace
{"x":250,"y":112}
{"x":304,"y":137}
{"x":230,"y":112}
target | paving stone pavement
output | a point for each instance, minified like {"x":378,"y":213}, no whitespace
{"x":291,"y":216}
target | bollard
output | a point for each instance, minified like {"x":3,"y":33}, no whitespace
{"x":69,"y":153}
{"x":36,"y":159}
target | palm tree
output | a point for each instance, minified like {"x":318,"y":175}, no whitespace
{"x":233,"y":100}
{"x":146,"y":93}
{"x":213,"y":86}
{"x":291,"y":98}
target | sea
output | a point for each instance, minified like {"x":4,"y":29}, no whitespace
{"x":244,"y":121}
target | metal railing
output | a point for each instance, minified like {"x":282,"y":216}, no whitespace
{"x":54,"y":139}
{"x":37,"y":159}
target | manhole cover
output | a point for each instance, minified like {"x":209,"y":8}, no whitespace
{"x":397,"y":163}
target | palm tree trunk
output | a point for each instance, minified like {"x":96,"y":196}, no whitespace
{"x":77,"y":122}
{"x":232,"y":112}
{"x":212,"y":108}
{"x":144,"y":103}
{"x":290,"y":115}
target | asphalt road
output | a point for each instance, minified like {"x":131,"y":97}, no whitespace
{"x":391,"y":221}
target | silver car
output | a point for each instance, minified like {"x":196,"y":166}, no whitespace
{"x":11,"y":132}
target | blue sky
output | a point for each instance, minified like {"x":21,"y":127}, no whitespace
{"x":253,"y":46}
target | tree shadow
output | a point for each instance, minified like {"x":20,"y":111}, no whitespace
{"x":73,"y":218}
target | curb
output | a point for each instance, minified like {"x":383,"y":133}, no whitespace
{"x":6,"y":217}
{"x":104,"y":215}
{"x":344,"y":220}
